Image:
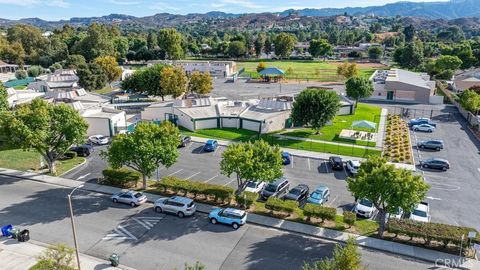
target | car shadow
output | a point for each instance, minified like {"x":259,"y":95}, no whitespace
{"x":198,"y":150}
{"x":324,"y":168}
{"x":418,"y":167}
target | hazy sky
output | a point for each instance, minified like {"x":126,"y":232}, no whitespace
{"x":64,"y":9}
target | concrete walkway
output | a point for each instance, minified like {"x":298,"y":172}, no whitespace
{"x":326,"y":142}
{"x":305,"y":229}
{"x":381,"y":128}
{"x":22,"y":256}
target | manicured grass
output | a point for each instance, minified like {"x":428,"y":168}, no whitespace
{"x":362,"y":226}
{"x":64,"y":165}
{"x":331,"y":132}
{"x":231,"y":134}
{"x":105,"y":90}
{"x":20,"y":87}
{"x":302,"y":70}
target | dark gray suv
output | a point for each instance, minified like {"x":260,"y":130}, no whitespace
{"x":277,"y":189}
{"x":431,"y":144}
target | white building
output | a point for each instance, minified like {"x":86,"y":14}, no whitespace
{"x":215,"y":68}
{"x":61,"y":80}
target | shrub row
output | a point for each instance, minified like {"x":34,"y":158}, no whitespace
{"x":123,"y":178}
{"x":349,"y":218}
{"x":444,"y":233}
{"x":177,"y":185}
{"x":246,"y":198}
{"x":279,"y":205}
{"x":318,"y":211}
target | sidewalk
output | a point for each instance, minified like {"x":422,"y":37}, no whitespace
{"x":381,"y":128}
{"x":305,"y":229}
{"x":22,"y":256}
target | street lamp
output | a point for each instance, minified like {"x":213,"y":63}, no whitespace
{"x":73,"y":224}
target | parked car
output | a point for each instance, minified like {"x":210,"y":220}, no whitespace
{"x":177,"y":205}
{"x":130,"y":197}
{"x":255,"y":186}
{"x":277,"y":189}
{"x":421,"y":212}
{"x":98,"y":139}
{"x":286,"y":158}
{"x":83,"y":150}
{"x":320,"y":195}
{"x":365,"y":208}
{"x":431,"y":144}
{"x":298,"y":193}
{"x":398,"y":214}
{"x":419,"y":121}
{"x":424,"y":128}
{"x":353,"y":166}
{"x":230,"y":216}
{"x":435,"y":163}
{"x":336,"y":163}
{"x":123,"y":132}
{"x":184,"y":140}
{"x":210,"y":146}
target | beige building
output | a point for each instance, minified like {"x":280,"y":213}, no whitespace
{"x":466,"y":79}
{"x":215,"y":68}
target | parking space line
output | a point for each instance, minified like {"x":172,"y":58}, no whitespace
{"x":291,"y":161}
{"x":175,"y":172}
{"x":83,"y":176}
{"x":143,"y":224}
{"x":308,"y":162}
{"x":229,"y":182}
{"x":210,"y":179}
{"x":332,"y":201}
{"x":192,"y":175}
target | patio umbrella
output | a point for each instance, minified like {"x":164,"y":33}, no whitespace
{"x":364,"y":124}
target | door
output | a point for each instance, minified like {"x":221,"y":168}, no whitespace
{"x":390,"y":95}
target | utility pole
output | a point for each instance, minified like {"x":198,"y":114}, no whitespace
{"x":74,"y":231}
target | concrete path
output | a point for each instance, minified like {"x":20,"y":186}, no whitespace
{"x":314,"y":231}
{"x":326,"y":142}
{"x":381,"y":128}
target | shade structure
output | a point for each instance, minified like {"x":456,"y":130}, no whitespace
{"x":364,"y":124}
{"x":272,"y":71}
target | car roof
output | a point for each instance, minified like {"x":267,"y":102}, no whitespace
{"x":211,"y":141}
{"x":355,"y":162}
{"x":422,"y":207}
{"x":433,"y":140}
{"x":285,"y":154}
{"x":336,"y":158}
{"x":279,"y":180}
{"x":303,"y":186}
{"x":234,"y":211}
{"x":439,"y":159}
{"x":180,"y":199}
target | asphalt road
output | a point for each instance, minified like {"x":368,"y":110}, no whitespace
{"x":148,"y":240}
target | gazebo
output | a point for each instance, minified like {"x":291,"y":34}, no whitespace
{"x":272,"y":72}
{"x":364,"y":124}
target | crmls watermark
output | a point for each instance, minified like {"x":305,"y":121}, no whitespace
{"x":454,"y":263}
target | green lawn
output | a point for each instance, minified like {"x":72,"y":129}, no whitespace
{"x":20,"y":87}
{"x":330,"y":133}
{"x":231,"y":134}
{"x":302,"y":70}
{"x":105,"y":90}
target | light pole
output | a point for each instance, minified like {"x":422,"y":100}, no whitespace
{"x":77,"y":252}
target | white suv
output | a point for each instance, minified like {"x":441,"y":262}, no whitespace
{"x":177,"y":205}
{"x":421,"y":212}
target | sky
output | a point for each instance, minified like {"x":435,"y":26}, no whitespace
{"x":65,"y":9}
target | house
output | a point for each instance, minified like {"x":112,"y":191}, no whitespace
{"x":404,"y":86}
{"x":215,"y":68}
{"x":8,"y":68}
{"x":104,"y":120}
{"x":466,"y":80}
{"x":61,"y":80}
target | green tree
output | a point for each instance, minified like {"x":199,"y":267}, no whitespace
{"x":56,"y":257}
{"x":284,"y":44}
{"x":315,"y":107}
{"x":410,"y":56}
{"x":344,"y":258}
{"x":409,"y":32}
{"x":121,"y":47}
{"x":257,"y":161}
{"x":174,"y":81}
{"x":147,"y":80}
{"x":145,"y":149}
{"x":97,"y":42}
{"x":74,"y":61}
{"x":34,"y":71}
{"x":236,"y":49}
{"x":261,"y":66}
{"x":170,"y":42}
{"x":470,"y":101}
{"x":260,"y":43}
{"x":387,"y":187}
{"x":46,"y":128}
{"x":347,"y":70}
{"x":450,"y":62}
{"x":91,"y":76}
{"x":109,"y":66}
{"x":3,"y":99}
{"x":200,"y":83}
{"x":358,"y":87}
{"x":320,"y":47}
{"x":375,"y":53}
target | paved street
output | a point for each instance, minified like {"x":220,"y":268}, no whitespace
{"x":147,"y":240}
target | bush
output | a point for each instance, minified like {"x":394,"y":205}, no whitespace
{"x":123,"y":178}
{"x":58,"y":256}
{"x":177,"y":185}
{"x":279,"y":205}
{"x":246,"y":198}
{"x":349,"y":218}
{"x":318,"y":211}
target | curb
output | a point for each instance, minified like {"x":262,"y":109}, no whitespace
{"x":75,"y":167}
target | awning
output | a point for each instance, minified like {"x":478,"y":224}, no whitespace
{"x":364,"y":124}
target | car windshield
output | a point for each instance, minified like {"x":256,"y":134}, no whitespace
{"x":316,"y":195}
{"x":419,"y":213}
{"x":138,"y":195}
{"x":271,"y":188}
{"x":190,"y":204}
{"x":101,"y":137}
{"x":366,"y":203}
{"x":296,"y":191}
{"x":252,"y":184}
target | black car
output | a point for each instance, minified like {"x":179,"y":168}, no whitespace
{"x":184,"y":140}
{"x":298,"y":193}
{"x":336,"y":163}
{"x":431,"y":144}
{"x":435,"y":163}
{"x":82,"y":150}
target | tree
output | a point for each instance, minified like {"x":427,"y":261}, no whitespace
{"x":109,"y":66}
{"x":200,"y":83}
{"x":375,"y":53}
{"x":3,"y":99}
{"x":315,"y":107}
{"x":174,"y":81}
{"x":347,"y":70}
{"x":470,"y":101}
{"x":74,"y":61}
{"x":46,"y":128}
{"x":97,"y":42}
{"x":358,"y":87}
{"x":145,"y":149}
{"x":409,"y":32}
{"x":410,"y":56}
{"x":320,"y":47}
{"x":260,"y":44}
{"x":56,"y":257}
{"x":236,"y":49}
{"x":257,"y":161}
{"x":121,"y":47}
{"x":146,"y":80}
{"x":34,"y":71}
{"x":450,"y":62}
{"x":387,"y":187}
{"x":344,"y":258}
{"x":91,"y":76}
{"x":261,"y":66}
{"x":170,"y":42}
{"x":284,"y":44}
{"x":21,"y":74}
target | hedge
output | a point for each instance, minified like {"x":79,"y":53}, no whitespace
{"x":349,"y":218}
{"x":177,"y":186}
{"x":123,"y":178}
{"x":444,"y":233}
{"x":246,"y":198}
{"x":279,"y":205}
{"x":318,"y":211}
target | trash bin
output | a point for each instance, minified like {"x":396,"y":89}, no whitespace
{"x":23,"y":236}
{"x":14,"y":232}
{"x":6,"y":230}
{"x":114,"y":259}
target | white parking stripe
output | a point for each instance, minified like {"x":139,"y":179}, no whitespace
{"x":121,"y":229}
{"x":308,"y":162}
{"x":142,"y":223}
{"x":192,"y":175}
{"x":330,"y":202}
{"x":175,"y":172}
{"x":210,"y":179}
{"x":83,"y":176}
{"x":229,"y":182}
{"x":291,"y":161}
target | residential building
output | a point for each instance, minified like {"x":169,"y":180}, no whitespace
{"x":61,"y":80}
{"x":215,"y":68}
{"x":8,"y":68}
{"x":466,"y":79}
